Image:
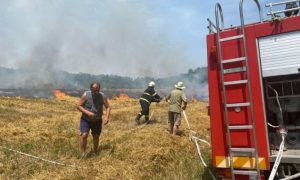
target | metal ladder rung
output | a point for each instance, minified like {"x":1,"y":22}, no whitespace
{"x":234,"y":70}
{"x":234,"y":60}
{"x":240,"y":127}
{"x":236,"y":82}
{"x":238,"y":104}
{"x":232,"y":38}
{"x":252,"y":150}
{"x":241,"y":68}
{"x":245,"y":172}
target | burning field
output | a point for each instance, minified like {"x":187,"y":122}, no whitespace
{"x":49,"y":129}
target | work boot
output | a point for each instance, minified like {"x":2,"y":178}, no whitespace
{"x":147,"y":120}
{"x":83,"y":156}
{"x":137,"y":119}
{"x":95,"y":153}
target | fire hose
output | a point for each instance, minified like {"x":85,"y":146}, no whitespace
{"x":186,"y":119}
{"x":192,"y":137}
{"x":278,"y":158}
{"x":279,"y":106}
{"x":39,"y":158}
{"x":283,"y":133}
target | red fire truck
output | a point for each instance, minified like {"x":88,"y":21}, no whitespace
{"x":254,"y":94}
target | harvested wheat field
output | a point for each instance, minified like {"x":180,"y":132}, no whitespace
{"x":49,"y":129}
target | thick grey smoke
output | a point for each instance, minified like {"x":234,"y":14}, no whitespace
{"x":116,"y":37}
{"x":125,"y":43}
{"x":97,"y":37}
{"x":39,"y":67}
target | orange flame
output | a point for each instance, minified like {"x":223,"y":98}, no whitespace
{"x":59,"y":95}
{"x":122,"y":96}
{"x":194,"y":100}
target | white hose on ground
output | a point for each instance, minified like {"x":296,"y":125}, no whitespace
{"x":35,"y":157}
{"x":202,"y":140}
{"x":196,"y":139}
{"x":186,"y":119}
{"x":151,"y":115}
{"x":201,"y":158}
{"x":278,"y":158}
{"x":199,"y":152}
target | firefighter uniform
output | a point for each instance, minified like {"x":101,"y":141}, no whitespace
{"x":147,"y":97}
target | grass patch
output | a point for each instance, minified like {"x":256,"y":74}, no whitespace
{"x":49,"y":129}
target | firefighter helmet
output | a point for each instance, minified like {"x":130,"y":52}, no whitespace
{"x":151,"y":84}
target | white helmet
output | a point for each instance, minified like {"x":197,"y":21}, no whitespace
{"x":151,"y":84}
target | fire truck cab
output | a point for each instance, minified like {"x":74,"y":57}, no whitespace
{"x":254,"y":94}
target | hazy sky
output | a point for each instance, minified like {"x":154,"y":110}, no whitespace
{"x":122,"y":37}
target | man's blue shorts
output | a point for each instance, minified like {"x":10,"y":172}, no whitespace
{"x":95,"y":126}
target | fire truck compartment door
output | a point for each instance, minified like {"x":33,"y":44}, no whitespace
{"x":280,"y":54}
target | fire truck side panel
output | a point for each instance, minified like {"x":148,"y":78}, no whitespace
{"x":218,"y":130}
{"x":257,"y":95}
{"x":236,"y":94}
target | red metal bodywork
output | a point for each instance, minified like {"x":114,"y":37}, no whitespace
{"x":237,"y":94}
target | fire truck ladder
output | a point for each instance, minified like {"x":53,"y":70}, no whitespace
{"x":253,"y":174}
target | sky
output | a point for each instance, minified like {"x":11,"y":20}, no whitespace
{"x":136,"y":38}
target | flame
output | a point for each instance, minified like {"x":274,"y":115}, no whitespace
{"x":194,"y":100}
{"x":59,"y":95}
{"x":122,"y":96}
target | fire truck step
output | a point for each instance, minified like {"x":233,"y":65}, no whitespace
{"x":238,"y":104}
{"x":236,"y":82}
{"x":234,"y":70}
{"x":245,"y":172}
{"x":234,"y":60}
{"x":232,"y":38}
{"x":240,"y":127}
{"x":250,"y":150}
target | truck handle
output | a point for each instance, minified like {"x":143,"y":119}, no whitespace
{"x":218,"y":11}
{"x":242,"y":13}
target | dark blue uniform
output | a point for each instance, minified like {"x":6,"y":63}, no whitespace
{"x":146,"y":99}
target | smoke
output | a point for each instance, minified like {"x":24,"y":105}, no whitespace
{"x":39,"y":67}
{"x":127,"y":42}
{"x":120,"y":37}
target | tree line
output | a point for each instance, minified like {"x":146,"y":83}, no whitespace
{"x":12,"y":78}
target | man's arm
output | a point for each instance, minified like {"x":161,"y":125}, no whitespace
{"x":184,"y":99}
{"x":168,"y":97}
{"x":157,"y":97}
{"x":184,"y":105}
{"x":81,"y":108}
{"x":107,"y":110}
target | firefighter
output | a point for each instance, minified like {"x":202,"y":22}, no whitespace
{"x":291,"y":5}
{"x":147,"y":97}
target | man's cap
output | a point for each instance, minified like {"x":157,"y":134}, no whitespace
{"x":179,"y":85}
{"x":151,"y":84}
